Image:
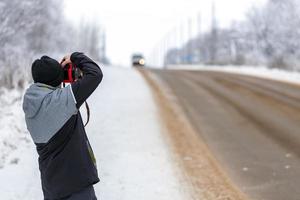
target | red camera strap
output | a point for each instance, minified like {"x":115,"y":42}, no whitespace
{"x":70,"y":73}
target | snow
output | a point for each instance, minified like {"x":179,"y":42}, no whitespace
{"x":132,"y":157}
{"x":257,"y":71}
{"x":19,"y":173}
{"x":12,"y":128}
{"x":133,"y":160}
{"x":21,"y":180}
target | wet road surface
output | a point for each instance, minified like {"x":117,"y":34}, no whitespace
{"x":251,"y":125}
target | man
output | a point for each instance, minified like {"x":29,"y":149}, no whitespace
{"x":66,"y":160}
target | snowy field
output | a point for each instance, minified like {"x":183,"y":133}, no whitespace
{"x":132,"y":158}
{"x":258,"y":71}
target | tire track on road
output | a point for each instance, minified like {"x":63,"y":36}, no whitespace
{"x":238,"y":96}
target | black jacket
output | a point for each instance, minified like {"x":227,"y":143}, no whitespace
{"x":66,"y":159}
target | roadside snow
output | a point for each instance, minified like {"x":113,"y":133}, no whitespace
{"x":21,"y":180}
{"x":258,"y":71}
{"x":124,"y":131}
{"x":12,"y":128}
{"x":19,"y":176}
{"x":133,"y":159}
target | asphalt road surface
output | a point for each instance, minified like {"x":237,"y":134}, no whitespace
{"x":251,"y":125}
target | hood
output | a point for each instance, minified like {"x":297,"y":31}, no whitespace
{"x":47,"y":109}
{"x":34,"y":98}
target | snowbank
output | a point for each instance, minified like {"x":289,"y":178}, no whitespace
{"x":12,"y":126}
{"x":18,"y":160}
{"x":258,"y":71}
{"x":126,"y":136}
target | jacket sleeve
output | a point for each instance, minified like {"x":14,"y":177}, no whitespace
{"x":92,"y":76}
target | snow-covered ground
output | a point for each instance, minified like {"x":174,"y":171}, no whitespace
{"x":126,"y":136}
{"x":11,"y":124}
{"x":258,"y":71}
{"x":133,"y":160}
{"x":19,"y":176}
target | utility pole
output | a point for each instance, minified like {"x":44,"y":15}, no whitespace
{"x":182,"y":44}
{"x":214,"y":35}
{"x":104,"y":59}
{"x":162,"y":53}
{"x":189,"y":41}
{"x":165,"y":51}
{"x":199,"y":23}
{"x":178,"y":44}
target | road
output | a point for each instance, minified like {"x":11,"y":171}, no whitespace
{"x":250,"y":124}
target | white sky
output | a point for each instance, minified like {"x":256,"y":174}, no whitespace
{"x":142,"y":25}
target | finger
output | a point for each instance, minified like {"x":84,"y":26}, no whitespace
{"x":65,"y":63}
{"x":67,"y":57}
{"x":62,"y":60}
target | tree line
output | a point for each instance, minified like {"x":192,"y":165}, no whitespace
{"x":269,"y":36}
{"x":32,"y":28}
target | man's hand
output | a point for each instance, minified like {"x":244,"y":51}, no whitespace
{"x":66,"y":60}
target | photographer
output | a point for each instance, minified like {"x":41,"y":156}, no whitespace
{"x":66,"y":160}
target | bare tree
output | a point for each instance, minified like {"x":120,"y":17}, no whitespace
{"x":269,"y":35}
{"x":31,"y":28}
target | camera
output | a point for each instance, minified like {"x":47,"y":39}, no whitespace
{"x":71,"y":73}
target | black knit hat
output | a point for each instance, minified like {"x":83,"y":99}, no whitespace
{"x":48,"y":71}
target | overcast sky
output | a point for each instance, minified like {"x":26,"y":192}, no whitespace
{"x":141,"y":25}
